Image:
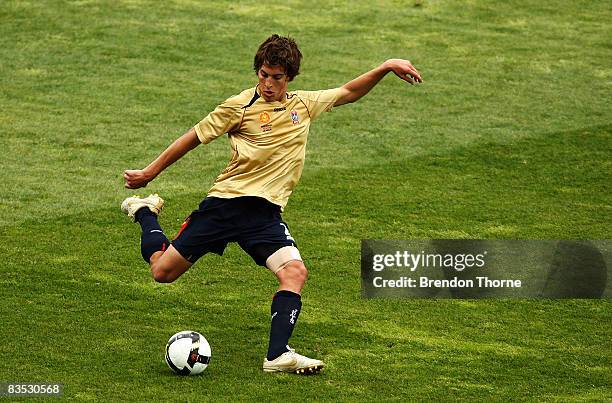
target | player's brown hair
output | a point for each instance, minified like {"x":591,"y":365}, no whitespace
{"x":279,"y":51}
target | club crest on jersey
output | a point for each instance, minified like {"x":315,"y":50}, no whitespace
{"x":295,"y":118}
{"x":264,"y":117}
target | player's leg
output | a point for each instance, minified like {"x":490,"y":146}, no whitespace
{"x":144,"y":212}
{"x":292,"y":274}
{"x":260,"y":231}
{"x":286,"y":263}
{"x":166,"y":263}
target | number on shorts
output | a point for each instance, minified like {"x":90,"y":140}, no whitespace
{"x":289,"y":237}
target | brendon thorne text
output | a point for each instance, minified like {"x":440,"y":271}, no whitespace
{"x":425,"y":282}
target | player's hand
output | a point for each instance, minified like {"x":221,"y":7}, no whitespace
{"x":404,"y":70}
{"x":136,"y":178}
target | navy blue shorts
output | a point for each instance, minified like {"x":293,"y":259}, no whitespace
{"x":253,"y":222}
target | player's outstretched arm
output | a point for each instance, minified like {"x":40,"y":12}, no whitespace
{"x":357,"y":88}
{"x":138,"y":178}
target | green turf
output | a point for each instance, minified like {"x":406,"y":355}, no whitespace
{"x":509,"y":137}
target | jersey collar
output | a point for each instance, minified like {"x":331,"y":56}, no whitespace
{"x":258,"y":92}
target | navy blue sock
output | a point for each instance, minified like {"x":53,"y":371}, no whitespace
{"x":286,"y":306}
{"x":152,"y":239}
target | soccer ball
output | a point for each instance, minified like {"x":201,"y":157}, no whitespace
{"x":187,"y":353}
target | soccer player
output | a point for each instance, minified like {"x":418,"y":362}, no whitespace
{"x":267,"y":127}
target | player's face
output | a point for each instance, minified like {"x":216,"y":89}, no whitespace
{"x":273,"y":82}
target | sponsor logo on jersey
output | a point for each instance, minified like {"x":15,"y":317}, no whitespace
{"x":280,"y":109}
{"x":266,"y":128}
{"x":295,"y":118}
{"x":264,"y":117}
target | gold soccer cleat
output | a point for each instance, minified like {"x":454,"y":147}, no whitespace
{"x":293,"y":362}
{"x":132,"y":204}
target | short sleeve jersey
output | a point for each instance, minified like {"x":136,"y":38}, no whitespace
{"x":267,"y":139}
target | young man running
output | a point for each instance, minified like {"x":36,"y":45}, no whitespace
{"x":267,"y":127}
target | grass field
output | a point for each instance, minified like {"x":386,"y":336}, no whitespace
{"x":509,"y":137}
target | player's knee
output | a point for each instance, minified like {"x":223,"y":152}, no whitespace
{"x":160,"y":274}
{"x":295,"y":271}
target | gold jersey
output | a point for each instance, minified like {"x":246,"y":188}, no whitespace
{"x":267,"y":139}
